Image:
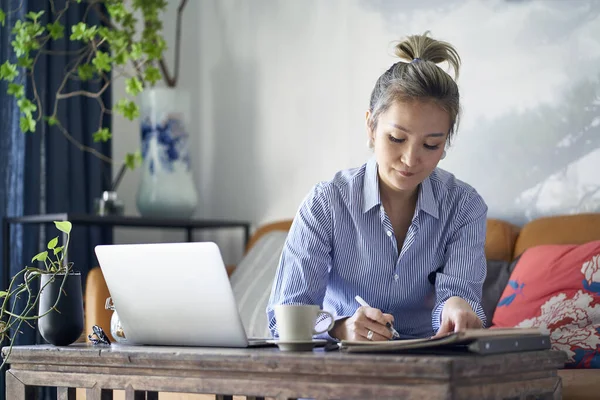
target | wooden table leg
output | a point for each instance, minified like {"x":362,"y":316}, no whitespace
{"x":65,"y":393}
{"x":17,"y":390}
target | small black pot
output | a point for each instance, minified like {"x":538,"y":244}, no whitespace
{"x":62,"y":327}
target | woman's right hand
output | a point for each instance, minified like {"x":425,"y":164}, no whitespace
{"x":365,"y":319}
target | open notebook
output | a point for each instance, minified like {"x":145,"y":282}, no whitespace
{"x":482,"y":341}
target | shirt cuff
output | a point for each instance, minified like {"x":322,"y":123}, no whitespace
{"x":436,"y":316}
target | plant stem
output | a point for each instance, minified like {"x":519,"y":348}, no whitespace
{"x":82,"y":147}
{"x":22,"y":319}
{"x":61,"y":96}
{"x":172,"y":80}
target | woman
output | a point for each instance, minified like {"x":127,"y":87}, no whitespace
{"x":399,"y":232}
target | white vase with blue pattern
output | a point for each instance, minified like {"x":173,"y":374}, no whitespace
{"x":167,"y":188}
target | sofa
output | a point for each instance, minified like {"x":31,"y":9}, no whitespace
{"x":504,"y":242}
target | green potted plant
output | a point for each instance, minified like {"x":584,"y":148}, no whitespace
{"x":57,"y":303}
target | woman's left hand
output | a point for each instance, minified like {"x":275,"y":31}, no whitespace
{"x":457,"y":315}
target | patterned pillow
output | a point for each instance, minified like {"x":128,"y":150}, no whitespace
{"x":252,"y":279}
{"x":557,"y":288}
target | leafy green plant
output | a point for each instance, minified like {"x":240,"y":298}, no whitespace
{"x":54,"y":263}
{"x":106,"y":52}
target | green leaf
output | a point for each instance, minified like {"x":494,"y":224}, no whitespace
{"x":56,"y":30}
{"x":25,"y":61}
{"x":132,"y":160}
{"x":58,"y":249}
{"x":154,"y":47}
{"x":152,"y":75}
{"x":101,"y":61}
{"x":63,"y":226}
{"x":52,"y":121}
{"x":78,"y":31}
{"x":20,"y":47}
{"x":40,"y":256}
{"x":34,"y":16}
{"x":91,"y":32}
{"x":129,"y":22}
{"x":121,"y":58}
{"x":83,"y":32}
{"x":116,"y":10}
{"x":2,"y":17}
{"x":52,"y":244}
{"x":26,"y":106}
{"x":85,"y":72}
{"x":133,"y":86}
{"x":27,"y":124}
{"x":14,"y":89}
{"x":2,"y":292}
{"x":136,"y":51}
{"x":128,"y":109}
{"x":102,"y":135}
{"x":8,"y":71}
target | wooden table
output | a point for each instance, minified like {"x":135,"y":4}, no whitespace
{"x":281,"y":375}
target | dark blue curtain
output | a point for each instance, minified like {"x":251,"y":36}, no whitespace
{"x":12,"y":153}
{"x":43,"y":172}
{"x":60,"y":177}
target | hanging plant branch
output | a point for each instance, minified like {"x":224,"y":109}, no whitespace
{"x":108,"y":52}
{"x":172,"y":80}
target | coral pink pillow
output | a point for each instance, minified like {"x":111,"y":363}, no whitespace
{"x":557,"y":288}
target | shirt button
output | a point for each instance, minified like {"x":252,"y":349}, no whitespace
{"x":396,"y":277}
{"x":389,"y":233}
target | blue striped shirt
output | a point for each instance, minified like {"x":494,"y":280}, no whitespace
{"x":341,"y":244}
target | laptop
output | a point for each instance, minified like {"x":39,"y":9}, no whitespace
{"x":173,"y":294}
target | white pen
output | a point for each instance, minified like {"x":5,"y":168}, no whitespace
{"x":362,"y":302}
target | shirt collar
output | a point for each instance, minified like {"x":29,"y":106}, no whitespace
{"x":371,"y":186}
{"x":427,"y":201}
{"x":371,"y":197}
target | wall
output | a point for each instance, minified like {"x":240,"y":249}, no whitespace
{"x":280,"y":89}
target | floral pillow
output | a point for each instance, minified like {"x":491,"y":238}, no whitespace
{"x":557,"y":288}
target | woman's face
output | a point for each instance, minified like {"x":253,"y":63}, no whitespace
{"x":408,"y":143}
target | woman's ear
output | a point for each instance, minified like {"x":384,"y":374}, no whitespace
{"x":370,"y":133}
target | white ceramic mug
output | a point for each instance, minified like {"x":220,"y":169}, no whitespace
{"x":297,"y":321}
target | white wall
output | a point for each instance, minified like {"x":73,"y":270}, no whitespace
{"x":280,"y":89}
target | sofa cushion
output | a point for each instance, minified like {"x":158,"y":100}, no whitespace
{"x":500,"y":240}
{"x":558,"y":229}
{"x":498,"y":273}
{"x":252,"y":281}
{"x":557,"y":288}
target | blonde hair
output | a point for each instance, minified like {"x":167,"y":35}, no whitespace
{"x":418,"y":77}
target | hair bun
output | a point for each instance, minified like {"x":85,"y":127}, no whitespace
{"x":424,"y":48}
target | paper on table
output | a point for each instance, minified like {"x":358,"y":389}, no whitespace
{"x":453,"y":338}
